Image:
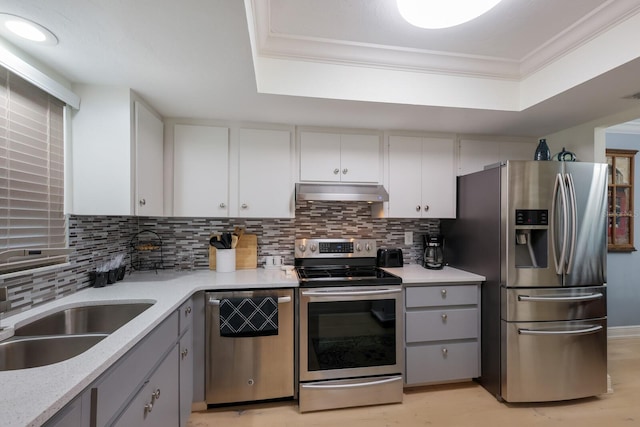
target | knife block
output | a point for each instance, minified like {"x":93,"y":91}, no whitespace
{"x":246,"y":253}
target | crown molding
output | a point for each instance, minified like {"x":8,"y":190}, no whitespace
{"x":315,"y":49}
{"x":632,"y":127}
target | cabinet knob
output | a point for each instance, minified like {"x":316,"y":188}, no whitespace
{"x":184,"y":353}
{"x":444,"y":351}
{"x":336,"y":171}
{"x":142,"y":202}
{"x":444,"y":317}
{"x":418,"y":208}
{"x":223,"y":205}
{"x":443,"y":292}
{"x":187,"y":311}
{"x":148,"y":408}
{"x":155,"y":395}
{"x":244,"y":206}
{"x":426,"y":208}
{"x":344,"y":171}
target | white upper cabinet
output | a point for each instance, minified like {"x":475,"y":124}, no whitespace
{"x":333,"y":157}
{"x":229,"y":172}
{"x":421,"y":177}
{"x":150,"y":159}
{"x":116,"y":154}
{"x":476,"y":154}
{"x":265,"y":183}
{"x":200,"y":171}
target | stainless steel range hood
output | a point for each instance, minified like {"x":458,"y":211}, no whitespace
{"x":341,"y":192}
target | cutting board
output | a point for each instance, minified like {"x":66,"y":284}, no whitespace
{"x":246,"y":253}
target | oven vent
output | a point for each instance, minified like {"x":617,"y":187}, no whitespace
{"x":341,"y":192}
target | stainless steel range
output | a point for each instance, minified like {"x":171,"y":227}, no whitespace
{"x":351,"y":329}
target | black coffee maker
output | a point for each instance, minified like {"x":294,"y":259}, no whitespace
{"x":433,"y":251}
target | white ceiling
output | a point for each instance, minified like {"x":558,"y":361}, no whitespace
{"x":311,"y":60}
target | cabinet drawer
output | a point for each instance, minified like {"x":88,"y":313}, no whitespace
{"x":429,"y":296}
{"x":118,"y":385}
{"x":441,"y":362}
{"x":441,"y":324}
{"x":185,"y":315}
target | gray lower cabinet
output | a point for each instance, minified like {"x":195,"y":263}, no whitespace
{"x":69,"y":416}
{"x":157,"y":403}
{"x":150,"y":385}
{"x":442,"y":335}
{"x":185,"y":355}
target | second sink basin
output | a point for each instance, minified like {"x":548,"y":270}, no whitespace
{"x":88,"y":319}
{"x":31,"y":352}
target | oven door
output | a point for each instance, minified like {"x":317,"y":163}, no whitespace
{"x":350,"y":331}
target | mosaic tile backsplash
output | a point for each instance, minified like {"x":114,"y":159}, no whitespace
{"x":95,"y":239}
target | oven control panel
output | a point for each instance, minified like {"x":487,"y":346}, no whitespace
{"x":335,"y":248}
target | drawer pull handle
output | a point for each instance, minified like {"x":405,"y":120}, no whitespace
{"x":444,"y":317}
{"x":443,"y":292}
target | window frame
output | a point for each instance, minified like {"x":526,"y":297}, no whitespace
{"x":613,"y":188}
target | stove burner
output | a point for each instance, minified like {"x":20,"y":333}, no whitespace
{"x":339,"y":262}
{"x":344,"y":275}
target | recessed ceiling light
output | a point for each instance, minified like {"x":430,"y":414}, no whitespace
{"x":26,"y":29}
{"x":434,"y":14}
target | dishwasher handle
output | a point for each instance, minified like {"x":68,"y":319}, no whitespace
{"x":281,"y":300}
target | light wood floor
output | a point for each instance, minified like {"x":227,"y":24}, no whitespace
{"x":465,"y":404}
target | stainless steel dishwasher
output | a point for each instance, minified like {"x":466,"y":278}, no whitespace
{"x":249,"y":368}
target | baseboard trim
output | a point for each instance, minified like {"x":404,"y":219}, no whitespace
{"x":623,"y":331}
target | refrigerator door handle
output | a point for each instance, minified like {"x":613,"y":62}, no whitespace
{"x":579,"y":298}
{"x":586,"y":331}
{"x":574,"y":218}
{"x":559,"y":187}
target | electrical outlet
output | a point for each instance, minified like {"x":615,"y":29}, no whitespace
{"x":408,"y":237}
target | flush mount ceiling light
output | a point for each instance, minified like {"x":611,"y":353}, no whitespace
{"x":434,"y":14}
{"x":26,"y":29}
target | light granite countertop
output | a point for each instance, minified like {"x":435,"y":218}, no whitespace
{"x":416,"y":274}
{"x":29,"y":397}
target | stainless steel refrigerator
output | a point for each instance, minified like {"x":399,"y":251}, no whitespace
{"x":537,"y":231}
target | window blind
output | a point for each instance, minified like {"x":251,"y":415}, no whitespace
{"x":33,"y":229}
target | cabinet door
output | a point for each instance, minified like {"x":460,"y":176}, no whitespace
{"x":149,"y":199}
{"x":319,"y":156}
{"x":360,"y":158}
{"x":156,"y":404}
{"x":265,"y":166}
{"x":200,"y":171}
{"x":69,"y":416}
{"x":186,"y":376}
{"x":405,"y":177}
{"x":438,"y":178}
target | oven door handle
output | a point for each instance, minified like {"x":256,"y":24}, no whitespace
{"x":353,"y":385}
{"x":281,"y":300}
{"x":350,"y":293}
